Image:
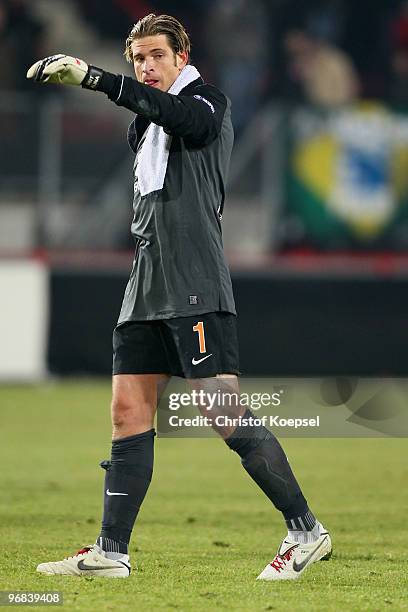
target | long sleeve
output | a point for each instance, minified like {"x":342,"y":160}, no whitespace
{"x":195,"y":117}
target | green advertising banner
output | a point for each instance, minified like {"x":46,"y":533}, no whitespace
{"x":347,"y":183}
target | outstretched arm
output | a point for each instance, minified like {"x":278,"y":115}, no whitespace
{"x":198,"y":118}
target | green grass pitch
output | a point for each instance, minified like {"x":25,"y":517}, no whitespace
{"x":204,"y":532}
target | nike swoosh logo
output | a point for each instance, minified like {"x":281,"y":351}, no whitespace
{"x":81,"y":566}
{"x":288,"y":549}
{"x":197,"y":361}
{"x":297,"y":567}
{"x":109,"y":493}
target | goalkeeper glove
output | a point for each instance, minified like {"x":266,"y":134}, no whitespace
{"x":61,"y":69}
{"x":65,"y":70}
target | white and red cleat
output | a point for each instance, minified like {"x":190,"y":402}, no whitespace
{"x":90,"y":561}
{"x":293,"y":558}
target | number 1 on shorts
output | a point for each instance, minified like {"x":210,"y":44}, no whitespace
{"x":201,"y":338}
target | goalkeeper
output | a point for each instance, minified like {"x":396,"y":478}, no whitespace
{"x":178,"y":314}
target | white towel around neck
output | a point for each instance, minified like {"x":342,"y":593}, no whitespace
{"x":154,"y":155}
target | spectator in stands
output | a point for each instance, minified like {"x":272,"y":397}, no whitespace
{"x":322,"y":73}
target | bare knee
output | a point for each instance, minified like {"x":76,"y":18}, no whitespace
{"x":122,"y":409}
{"x":225,"y":407}
{"x":130,"y":417}
{"x":134,"y":403}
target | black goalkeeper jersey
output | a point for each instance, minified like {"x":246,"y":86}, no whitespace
{"x":179,"y":268}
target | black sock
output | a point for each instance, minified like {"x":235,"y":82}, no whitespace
{"x":263,"y":458}
{"x":128,"y":476}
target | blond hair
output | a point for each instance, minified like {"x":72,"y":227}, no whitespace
{"x":152,"y":25}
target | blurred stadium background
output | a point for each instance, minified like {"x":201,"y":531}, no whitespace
{"x":316,"y":221}
{"x":316,"y":233}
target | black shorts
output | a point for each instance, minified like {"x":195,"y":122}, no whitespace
{"x":191,"y":347}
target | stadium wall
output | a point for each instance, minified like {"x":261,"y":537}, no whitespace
{"x":289,"y":326}
{"x":24,"y":319}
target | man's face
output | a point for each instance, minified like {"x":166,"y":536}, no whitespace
{"x":155,"y":62}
